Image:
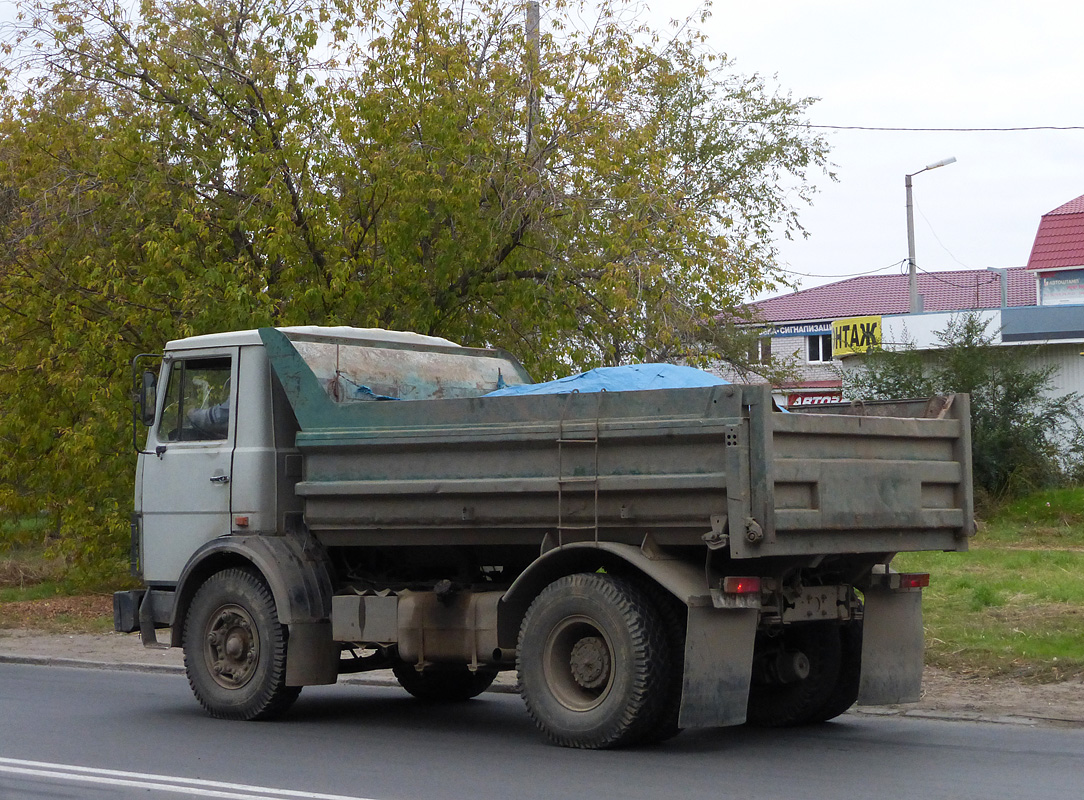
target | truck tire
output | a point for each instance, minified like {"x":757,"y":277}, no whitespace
{"x":675,"y":621}
{"x":235,"y":649}
{"x":845,"y":693}
{"x":593,"y":662}
{"x":777,"y":699}
{"x":449,"y":684}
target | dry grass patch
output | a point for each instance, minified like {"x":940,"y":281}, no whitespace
{"x":79,"y":614}
{"x":16,"y":573}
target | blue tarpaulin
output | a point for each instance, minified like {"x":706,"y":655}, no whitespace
{"x":630,"y":378}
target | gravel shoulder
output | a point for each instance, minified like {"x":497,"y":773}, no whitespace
{"x":945,"y":695}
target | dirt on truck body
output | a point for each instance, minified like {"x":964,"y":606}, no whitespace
{"x":312,"y":502}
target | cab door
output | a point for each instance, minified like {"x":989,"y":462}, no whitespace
{"x":184,"y":480}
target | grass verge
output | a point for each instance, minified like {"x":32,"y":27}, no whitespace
{"x":1003,"y":611}
{"x":1014,"y":604}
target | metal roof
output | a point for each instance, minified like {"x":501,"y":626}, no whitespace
{"x":252,"y":337}
{"x":1059,"y":241}
{"x":889,"y":294}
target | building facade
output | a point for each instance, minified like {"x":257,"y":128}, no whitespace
{"x":824,"y":330}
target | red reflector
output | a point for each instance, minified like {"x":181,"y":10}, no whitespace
{"x":914,"y":580}
{"x":240,"y":521}
{"x":741,"y":585}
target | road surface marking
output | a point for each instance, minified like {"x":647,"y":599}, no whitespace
{"x":162,"y":783}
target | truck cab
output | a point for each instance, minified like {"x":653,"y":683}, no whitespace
{"x":219,"y":457}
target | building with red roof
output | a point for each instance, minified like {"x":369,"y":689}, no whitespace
{"x":890,"y":294}
{"x":1059,"y":244}
{"x":1057,"y":256}
{"x":1041,"y":303}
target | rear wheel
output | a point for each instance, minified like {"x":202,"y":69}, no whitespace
{"x":443,"y":684}
{"x":235,"y":649}
{"x":845,"y":693}
{"x":795,"y":672}
{"x":593,"y":662}
{"x":675,"y":621}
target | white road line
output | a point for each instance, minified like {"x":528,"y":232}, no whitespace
{"x":162,"y":783}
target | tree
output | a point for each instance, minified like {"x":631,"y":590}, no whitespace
{"x":1022,"y":437}
{"x":199,"y":166}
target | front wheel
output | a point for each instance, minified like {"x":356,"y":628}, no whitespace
{"x":594,"y":662}
{"x":235,"y":649}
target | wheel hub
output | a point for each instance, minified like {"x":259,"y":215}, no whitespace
{"x":578,"y":663}
{"x":590,"y":662}
{"x":235,"y":645}
{"x":232,"y":646}
{"x":792,"y":667}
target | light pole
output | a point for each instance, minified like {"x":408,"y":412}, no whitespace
{"x":913,"y":277}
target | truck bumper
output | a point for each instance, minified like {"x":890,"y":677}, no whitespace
{"x":126,"y":610}
{"x":142,"y":610}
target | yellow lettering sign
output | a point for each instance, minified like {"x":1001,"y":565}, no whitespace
{"x":855,"y":335}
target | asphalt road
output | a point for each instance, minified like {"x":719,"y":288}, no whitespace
{"x":79,"y":733}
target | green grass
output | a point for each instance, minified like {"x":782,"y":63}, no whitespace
{"x":1004,"y":609}
{"x":34,"y":591}
{"x":1054,"y":518}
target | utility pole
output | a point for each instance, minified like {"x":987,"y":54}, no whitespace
{"x":912,"y":272}
{"x":534,"y":100}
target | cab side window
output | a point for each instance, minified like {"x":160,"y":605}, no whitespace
{"x":197,"y":405}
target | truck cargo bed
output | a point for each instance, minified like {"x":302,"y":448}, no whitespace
{"x":688,"y":466}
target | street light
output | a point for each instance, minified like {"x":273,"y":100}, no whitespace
{"x":913,"y":278}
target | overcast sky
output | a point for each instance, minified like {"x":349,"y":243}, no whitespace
{"x":922,"y":64}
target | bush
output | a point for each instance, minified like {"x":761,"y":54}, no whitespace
{"x":1022,"y":438}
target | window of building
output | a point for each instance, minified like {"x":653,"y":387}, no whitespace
{"x":760,"y":351}
{"x":819,"y":348}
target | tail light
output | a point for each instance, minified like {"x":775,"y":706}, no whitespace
{"x":733,"y":585}
{"x":914,"y":580}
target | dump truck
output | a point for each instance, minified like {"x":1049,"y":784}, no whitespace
{"x":314,"y":502}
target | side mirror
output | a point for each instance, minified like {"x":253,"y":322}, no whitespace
{"x":144,"y":396}
{"x":148,"y":397}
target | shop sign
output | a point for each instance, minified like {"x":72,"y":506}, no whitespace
{"x":855,"y":335}
{"x":794,"y":400}
{"x":800,"y":329}
{"x":1062,"y":288}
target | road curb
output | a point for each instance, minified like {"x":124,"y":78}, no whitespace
{"x":173,"y":669}
{"x":80,"y":663}
{"x":966,"y":716}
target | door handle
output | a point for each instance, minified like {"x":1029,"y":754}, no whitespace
{"x":220,"y":479}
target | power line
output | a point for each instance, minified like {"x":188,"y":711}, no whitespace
{"x":900,"y":129}
{"x":848,"y":275}
{"x":980,"y":279}
{"x":938,"y":240}
{"x":946,"y":130}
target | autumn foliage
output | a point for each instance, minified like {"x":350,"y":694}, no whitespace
{"x":188,"y":167}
